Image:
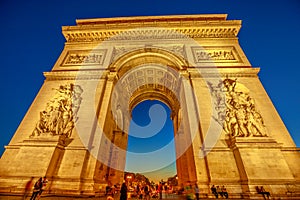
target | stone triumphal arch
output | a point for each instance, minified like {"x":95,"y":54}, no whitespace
{"x":226,"y":129}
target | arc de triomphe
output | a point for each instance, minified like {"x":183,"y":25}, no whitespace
{"x":226,"y":129}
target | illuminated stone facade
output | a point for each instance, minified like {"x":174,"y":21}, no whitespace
{"x":157,"y":57}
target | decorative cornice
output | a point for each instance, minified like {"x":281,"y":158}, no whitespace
{"x":149,"y":19}
{"x":161,"y":27}
{"x":75,"y":75}
{"x":223,"y":72}
{"x":97,"y":36}
{"x":193,"y":72}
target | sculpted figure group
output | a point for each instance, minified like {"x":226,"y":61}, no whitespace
{"x":82,"y":58}
{"x":60,"y":114}
{"x":236,"y":110}
{"x":214,"y":55}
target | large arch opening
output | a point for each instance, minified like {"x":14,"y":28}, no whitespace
{"x":151,"y":129}
{"x":151,"y":75}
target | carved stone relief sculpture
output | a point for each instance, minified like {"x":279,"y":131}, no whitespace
{"x":236,"y":110}
{"x":81,"y":58}
{"x":214,"y":55}
{"x":221,"y":54}
{"x":84,"y":57}
{"x":61,"y":112}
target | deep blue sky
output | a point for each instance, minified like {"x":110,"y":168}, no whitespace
{"x":161,"y":165}
{"x":154,"y":142}
{"x":31,"y":42}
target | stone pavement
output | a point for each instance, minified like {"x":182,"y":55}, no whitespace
{"x":53,"y":197}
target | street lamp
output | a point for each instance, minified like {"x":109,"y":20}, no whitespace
{"x":128,"y":178}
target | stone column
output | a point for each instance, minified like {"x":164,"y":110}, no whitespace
{"x":102,"y":170}
{"x":188,"y":119}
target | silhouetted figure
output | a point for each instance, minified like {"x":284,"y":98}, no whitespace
{"x":37,"y":188}
{"x":160,"y":188}
{"x":214,"y":191}
{"x":108,"y":190}
{"x":197,"y":191}
{"x":123,"y":192}
{"x":224,"y":192}
{"x":219,"y":191}
{"x":44,"y":184}
{"x":147,"y":192}
{"x":261,"y":190}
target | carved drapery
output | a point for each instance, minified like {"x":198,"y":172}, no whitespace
{"x":236,"y":110}
{"x":61,"y":112}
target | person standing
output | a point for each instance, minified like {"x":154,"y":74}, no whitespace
{"x":160,"y":188}
{"x":219,"y":191}
{"x":37,"y":188}
{"x":147,"y":192}
{"x":123,"y":192}
{"x":224,"y":192}
{"x":197,"y":191}
{"x":214,"y":191}
{"x":43,"y":187}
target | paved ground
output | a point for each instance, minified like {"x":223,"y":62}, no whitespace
{"x":48,"y":197}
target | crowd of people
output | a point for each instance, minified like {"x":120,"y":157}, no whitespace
{"x":140,"y":191}
{"x":188,"y":191}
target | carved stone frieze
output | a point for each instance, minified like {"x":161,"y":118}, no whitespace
{"x":223,"y":72}
{"x":141,"y":34}
{"x":60,"y":114}
{"x":236,"y":110}
{"x":84,"y":58}
{"x":215,"y":54}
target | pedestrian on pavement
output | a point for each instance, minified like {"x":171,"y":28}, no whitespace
{"x":123,"y":192}
{"x":214,"y":191}
{"x":43,"y":187}
{"x":37,"y":188}
{"x":197,"y":191}
{"x":224,"y":192}
{"x":160,"y":188}
{"x":147,"y":192}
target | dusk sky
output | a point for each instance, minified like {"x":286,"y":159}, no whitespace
{"x":32,"y":41}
